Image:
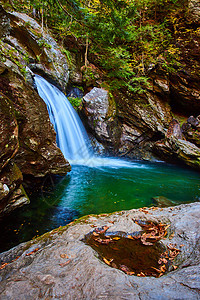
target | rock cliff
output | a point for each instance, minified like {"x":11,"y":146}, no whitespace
{"x":27,"y":138}
{"x":140,"y":124}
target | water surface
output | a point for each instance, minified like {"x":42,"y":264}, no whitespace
{"x":102,"y":189}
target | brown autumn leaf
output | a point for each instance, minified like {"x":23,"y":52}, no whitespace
{"x":103,"y":230}
{"x":32,"y":252}
{"x":95,"y":233}
{"x":174,"y":267}
{"x":103,"y":241}
{"x":157,"y":270}
{"x":162,"y":260}
{"x":64,"y":255}
{"x":65,"y":263}
{"x":108,"y":262}
{"x":130,"y":273}
{"x":3,"y":266}
{"x":113,"y":265}
{"x":163,"y":269}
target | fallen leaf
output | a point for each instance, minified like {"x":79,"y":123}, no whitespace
{"x":116,"y":238}
{"x":95,"y":234}
{"x":130,"y":273}
{"x":32,"y":252}
{"x":103,"y":230}
{"x":3,"y":265}
{"x":64,"y":256}
{"x":107,"y":261}
{"x":65,"y":263}
{"x":174,"y":267}
{"x":162,"y":260}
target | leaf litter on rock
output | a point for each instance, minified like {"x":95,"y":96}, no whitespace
{"x":117,"y":249}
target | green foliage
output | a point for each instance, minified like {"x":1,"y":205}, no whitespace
{"x":68,"y":55}
{"x":75,"y":102}
{"x":121,"y":37}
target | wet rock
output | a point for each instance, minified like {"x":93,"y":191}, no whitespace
{"x":4,"y":190}
{"x":179,"y":150}
{"x":193,"y":121}
{"x":74,"y":92}
{"x":185,"y":127}
{"x":17,"y":199}
{"x":163,"y":84}
{"x":60,"y":265}
{"x":194,"y":8}
{"x":38,"y":154}
{"x":8,"y":130}
{"x":174,"y":130}
{"x":12,"y":194}
{"x":162,"y":201}
{"x":100,"y":111}
{"x":5,"y":23}
{"x":191,"y":130}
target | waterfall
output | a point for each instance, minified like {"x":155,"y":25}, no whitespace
{"x":71,"y":135}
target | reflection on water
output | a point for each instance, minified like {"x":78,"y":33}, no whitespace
{"x":101,"y":189}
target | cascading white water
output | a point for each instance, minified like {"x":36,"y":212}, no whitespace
{"x":71,"y":135}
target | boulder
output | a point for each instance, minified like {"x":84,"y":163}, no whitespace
{"x":12,"y":194}
{"x":193,"y":121}
{"x":191,"y":130}
{"x":60,"y":265}
{"x":99,"y":110}
{"x":179,"y":150}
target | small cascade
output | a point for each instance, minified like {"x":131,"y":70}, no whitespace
{"x":71,"y":135}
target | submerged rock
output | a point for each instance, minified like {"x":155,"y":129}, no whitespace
{"x":162,"y":201}
{"x":60,"y":265}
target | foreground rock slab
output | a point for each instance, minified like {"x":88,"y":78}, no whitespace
{"x":58,"y":265}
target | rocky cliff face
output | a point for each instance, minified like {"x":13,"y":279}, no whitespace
{"x":27,"y":138}
{"x":28,"y":46}
{"x":143,"y":121}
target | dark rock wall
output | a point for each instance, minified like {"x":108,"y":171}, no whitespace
{"x":27,"y":138}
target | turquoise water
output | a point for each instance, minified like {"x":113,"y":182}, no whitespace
{"x":93,"y":190}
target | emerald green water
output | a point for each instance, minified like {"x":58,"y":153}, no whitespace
{"x":87,"y":190}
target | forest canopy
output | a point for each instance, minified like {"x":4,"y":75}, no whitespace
{"x":123,"y":38}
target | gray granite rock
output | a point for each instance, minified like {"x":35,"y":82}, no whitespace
{"x":59,"y":265}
